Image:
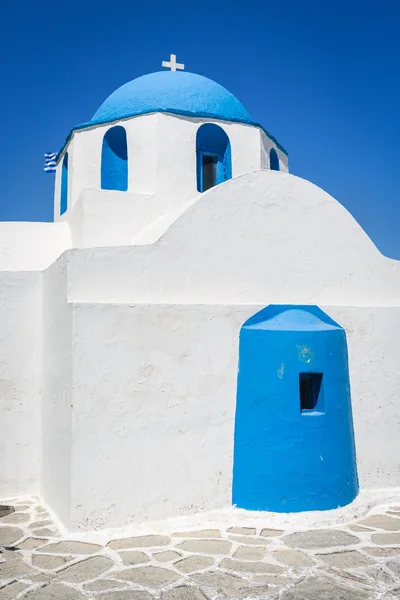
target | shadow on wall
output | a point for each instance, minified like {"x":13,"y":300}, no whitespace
{"x":294,"y":444}
{"x":273,"y":160}
{"x":64,"y":185}
{"x":114,"y":160}
{"x":213,"y":154}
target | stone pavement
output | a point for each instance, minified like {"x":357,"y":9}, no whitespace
{"x":357,"y":561}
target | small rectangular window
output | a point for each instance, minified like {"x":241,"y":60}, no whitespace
{"x":209,"y":170}
{"x":311,"y":393}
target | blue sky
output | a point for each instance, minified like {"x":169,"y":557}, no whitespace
{"x":323,"y":77}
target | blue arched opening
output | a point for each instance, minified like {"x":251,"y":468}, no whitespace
{"x":273,"y":160}
{"x":114,"y":160}
{"x":213,"y":155}
{"x":64,"y":185}
{"x":294,"y":444}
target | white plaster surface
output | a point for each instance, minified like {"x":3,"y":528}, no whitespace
{"x":161,"y":158}
{"x":56,"y":409}
{"x":118,"y":363}
{"x":153,"y":435}
{"x":265,"y":237}
{"x":20,"y":382}
{"x":32,"y":246}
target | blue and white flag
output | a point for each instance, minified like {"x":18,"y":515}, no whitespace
{"x":50,"y":162}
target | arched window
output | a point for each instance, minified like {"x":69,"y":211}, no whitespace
{"x":213,"y":153}
{"x":273,"y":160}
{"x":114,"y":160}
{"x":64,"y":185}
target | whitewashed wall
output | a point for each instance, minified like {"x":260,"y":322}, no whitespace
{"x":56,"y":411}
{"x":161,"y":157}
{"x":32,"y":246}
{"x":20,"y":382}
{"x":154,"y":396}
{"x":266,"y":145}
{"x":265,"y":235}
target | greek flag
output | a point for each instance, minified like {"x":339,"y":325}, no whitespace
{"x":50,"y":162}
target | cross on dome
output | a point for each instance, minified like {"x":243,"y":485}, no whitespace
{"x":172,"y":64}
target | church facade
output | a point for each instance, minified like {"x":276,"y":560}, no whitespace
{"x":197,"y":329}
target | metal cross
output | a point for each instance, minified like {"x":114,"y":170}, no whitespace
{"x":172,"y":64}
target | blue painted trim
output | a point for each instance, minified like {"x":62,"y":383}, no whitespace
{"x":64,"y":185}
{"x":274,"y":160}
{"x":212,"y":140}
{"x":114,"y":160}
{"x":172,"y":112}
{"x":286,"y":459}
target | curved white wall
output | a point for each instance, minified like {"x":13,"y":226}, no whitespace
{"x":161,"y":157}
{"x":265,"y":237}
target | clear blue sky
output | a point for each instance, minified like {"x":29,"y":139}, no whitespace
{"x":323,"y":77}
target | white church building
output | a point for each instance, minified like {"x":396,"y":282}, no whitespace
{"x":197,"y":328}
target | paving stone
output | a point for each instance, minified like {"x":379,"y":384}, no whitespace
{"x":6,"y":509}
{"x":32,"y":543}
{"x":48,"y":561}
{"x":43,"y":577}
{"x":272,"y":580}
{"x":203,"y":534}
{"x":167,"y":555}
{"x":89,"y":568}
{"x":41,"y":524}
{"x":194,"y":563}
{"x":250,"y":552}
{"x":184,"y":592}
{"x":249,"y":541}
{"x":381,"y":552}
{"x":134,"y":557}
{"x":319,"y":588}
{"x":364,"y":579}
{"x":148,"y":576}
{"x":250,"y":567}
{"x":358,"y":528}
{"x":271,"y":532}
{"x":40,"y":509}
{"x":55,"y":591}
{"x":394,"y":566}
{"x":345,"y":560}
{"x":263,"y":591}
{"x":320,"y":538}
{"x":125,"y":595}
{"x":205,"y":546}
{"x":71,"y":547}
{"x":219,"y":580}
{"x":10,"y":591}
{"x":143,"y":541}
{"x":396,"y":513}
{"x":242,"y":530}
{"x":382,"y":522}
{"x":386,"y":538}
{"x":15,"y":518}
{"x":45,"y":532}
{"x":292,"y":558}
{"x":9,"y":535}
{"x":381,"y":575}
{"x":21,"y":507}
{"x":102,"y":585}
{"x":13,"y":566}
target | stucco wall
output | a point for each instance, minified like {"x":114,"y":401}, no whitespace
{"x":161,"y":157}
{"x":265,"y":235}
{"x":56,"y":443}
{"x":32,"y":246}
{"x":20,"y":382}
{"x":154,"y":396}
{"x":266,"y":145}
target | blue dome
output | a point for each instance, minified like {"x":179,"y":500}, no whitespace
{"x":174,"y":92}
